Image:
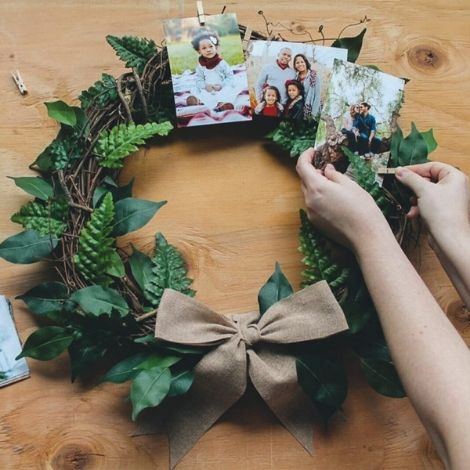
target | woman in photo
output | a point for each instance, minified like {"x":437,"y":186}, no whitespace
{"x":310,"y":81}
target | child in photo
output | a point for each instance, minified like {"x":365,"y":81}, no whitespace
{"x":270,"y":105}
{"x":294,"y":108}
{"x":214,"y":76}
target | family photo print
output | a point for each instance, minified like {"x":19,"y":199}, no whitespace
{"x":208,"y":70}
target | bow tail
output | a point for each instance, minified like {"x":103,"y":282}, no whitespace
{"x":219,"y":381}
{"x":274,"y":376}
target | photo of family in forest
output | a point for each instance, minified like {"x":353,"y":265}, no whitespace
{"x":287,"y":79}
{"x":208,"y":71}
{"x":360,"y":112}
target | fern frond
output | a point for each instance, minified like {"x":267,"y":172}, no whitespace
{"x":101,"y":93}
{"x":134,"y":51}
{"x":294,"y":137}
{"x":44,"y":217}
{"x":96,"y":256}
{"x":168,"y":271}
{"x":317,"y":257}
{"x":122,"y":140}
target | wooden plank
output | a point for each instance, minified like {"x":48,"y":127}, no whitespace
{"x":232,"y":210}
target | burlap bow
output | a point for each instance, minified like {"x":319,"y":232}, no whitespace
{"x":221,"y":375}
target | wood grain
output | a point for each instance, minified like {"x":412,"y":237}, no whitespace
{"x":232,"y":209}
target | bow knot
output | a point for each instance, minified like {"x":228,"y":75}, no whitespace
{"x":221,"y":376}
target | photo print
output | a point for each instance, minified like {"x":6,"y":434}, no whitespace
{"x":360,"y":112}
{"x":208,"y":70}
{"x":288,"y":80}
{"x":11,"y":370}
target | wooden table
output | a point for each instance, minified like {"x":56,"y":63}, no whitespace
{"x":233,"y":212}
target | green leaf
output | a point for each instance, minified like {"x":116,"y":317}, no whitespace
{"x":276,"y":288}
{"x":149,"y":388}
{"x":84,"y":356}
{"x":35,"y":186}
{"x":294,"y":137}
{"x":353,"y":45}
{"x":123,"y":140}
{"x":156,"y":360}
{"x":324,"y":381}
{"x":431,"y":142}
{"x":47,"y":343}
{"x":181,"y":383}
{"x":141,"y":267}
{"x":101,"y":93}
{"x":45,"y":298}
{"x":168,"y":271}
{"x":116,"y":267}
{"x":27,"y":247}
{"x":371,"y":348}
{"x":412,"y":149}
{"x":98,"y":195}
{"x":124,"y":370}
{"x":132,"y":214}
{"x":62,"y":112}
{"x":383,"y":378}
{"x":134,"y":51}
{"x":98,"y":300}
{"x":395,"y":142}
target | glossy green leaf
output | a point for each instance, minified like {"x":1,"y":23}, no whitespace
{"x":383,"y":378}
{"x":124,"y":370}
{"x":47,"y":343}
{"x":27,"y":247}
{"x":156,"y":360}
{"x":116,"y":267}
{"x":98,"y":300}
{"x":324,"y":381}
{"x":353,"y":45}
{"x":411,"y":150}
{"x":149,"y":388}
{"x":46,"y":298}
{"x":276,"y":288}
{"x":369,"y":347}
{"x":181,"y":383}
{"x":34,"y":185}
{"x":431,"y":142}
{"x":62,"y":112}
{"x":132,"y":214}
{"x":98,"y":195}
{"x":141,"y":267}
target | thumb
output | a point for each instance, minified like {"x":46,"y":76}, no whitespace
{"x":409,"y":178}
{"x":333,"y":175}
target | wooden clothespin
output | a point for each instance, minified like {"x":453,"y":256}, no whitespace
{"x":386,"y":171}
{"x":246,"y":38}
{"x":19,"y":82}
{"x":201,"y":16}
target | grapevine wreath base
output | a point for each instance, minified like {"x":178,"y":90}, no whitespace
{"x":103,"y":305}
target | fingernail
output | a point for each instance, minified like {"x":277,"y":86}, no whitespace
{"x":400,"y":172}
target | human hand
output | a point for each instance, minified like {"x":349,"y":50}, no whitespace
{"x":259,"y":107}
{"x":442,"y":196}
{"x":338,"y":206}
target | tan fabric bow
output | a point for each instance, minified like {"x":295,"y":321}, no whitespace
{"x":221,"y":375}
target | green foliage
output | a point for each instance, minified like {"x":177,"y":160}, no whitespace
{"x":134,"y":51}
{"x":141,"y":268}
{"x":317,"y":257}
{"x":324,"y":381}
{"x":96,"y":256}
{"x":132,"y":214}
{"x":36,"y":186}
{"x":181,"y":382}
{"x":353,"y":45}
{"x":365,"y":177}
{"x":122,"y":140}
{"x":168,"y":271}
{"x":125,"y":370}
{"x":100,"y":94}
{"x":62,"y":113}
{"x":47,"y":343}
{"x":293,"y":137}
{"x":46,"y":298}
{"x":276,"y":288}
{"x":45,"y":218}
{"x":98,"y":300}
{"x":27,"y":247}
{"x":412,"y":149}
{"x":382,"y":377}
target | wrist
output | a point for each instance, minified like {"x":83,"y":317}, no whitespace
{"x":378,"y":238}
{"x":447,"y":236}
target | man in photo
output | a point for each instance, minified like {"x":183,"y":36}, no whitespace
{"x":276,"y":75}
{"x":368,"y":143}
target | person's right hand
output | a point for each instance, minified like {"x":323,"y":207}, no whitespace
{"x":442,"y":196}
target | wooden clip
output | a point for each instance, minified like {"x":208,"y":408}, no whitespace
{"x":201,"y":16}
{"x":19,"y":82}
{"x":386,"y":171}
{"x":246,"y":38}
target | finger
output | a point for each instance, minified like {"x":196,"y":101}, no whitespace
{"x":413,"y":213}
{"x":307,"y":172}
{"x":335,"y":176}
{"x":412,"y":180}
{"x":433,"y":171}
